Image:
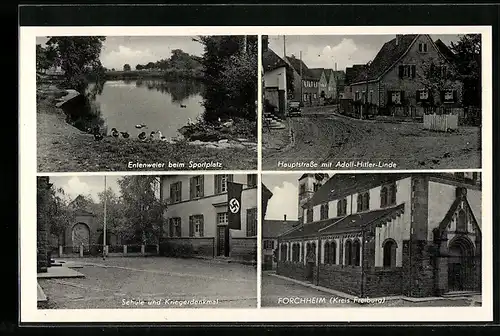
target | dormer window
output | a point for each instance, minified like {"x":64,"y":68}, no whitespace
{"x":422,"y":47}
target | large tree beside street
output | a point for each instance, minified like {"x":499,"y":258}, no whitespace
{"x":142,"y":208}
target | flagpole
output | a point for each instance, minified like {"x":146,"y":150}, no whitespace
{"x":104,"y":228}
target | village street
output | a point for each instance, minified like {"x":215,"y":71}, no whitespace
{"x":135,"y":282}
{"x":323,"y":136}
{"x":282,"y":293}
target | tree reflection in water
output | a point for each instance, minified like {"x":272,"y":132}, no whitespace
{"x":179,"y":91}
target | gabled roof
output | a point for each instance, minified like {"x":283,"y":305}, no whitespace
{"x":271,"y":61}
{"x":275,"y":228}
{"x":451,"y":211}
{"x":328,"y":73}
{"x":266,"y":191}
{"x":387,"y":56}
{"x":443,"y":49}
{"x":351,"y":223}
{"x":351,"y":73}
{"x":316,"y":72}
{"x":341,"y":185}
{"x":295,"y":63}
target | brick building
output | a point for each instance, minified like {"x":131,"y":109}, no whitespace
{"x":400,"y":74}
{"x":197,"y":214}
{"x":374,"y":235}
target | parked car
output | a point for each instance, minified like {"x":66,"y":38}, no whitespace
{"x":294,"y":109}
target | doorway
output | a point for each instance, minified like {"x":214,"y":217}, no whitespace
{"x":461,"y":265}
{"x":223,"y":241}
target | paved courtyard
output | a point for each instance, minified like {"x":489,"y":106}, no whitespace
{"x":154,"y":282}
{"x":282,"y":293}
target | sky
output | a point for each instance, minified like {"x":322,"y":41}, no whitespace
{"x":323,"y":51}
{"x":85,"y":185}
{"x":119,"y":50}
{"x":285,"y":189}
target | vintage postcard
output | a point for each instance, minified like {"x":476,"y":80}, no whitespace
{"x":256,"y":174}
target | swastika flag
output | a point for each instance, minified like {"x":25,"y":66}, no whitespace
{"x":234,"y":205}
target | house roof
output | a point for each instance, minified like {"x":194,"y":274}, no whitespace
{"x":443,"y":49}
{"x":271,"y":61}
{"x":275,"y":228}
{"x":386,"y":57}
{"x":340,"y":185}
{"x":316,"y":72}
{"x":295,"y":63}
{"x":351,"y":223}
{"x":351,"y":73}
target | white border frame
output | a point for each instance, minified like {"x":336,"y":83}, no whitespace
{"x":28,"y":172}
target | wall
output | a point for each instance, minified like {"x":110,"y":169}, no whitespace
{"x":93,"y":226}
{"x":209,"y":205}
{"x":244,"y":249}
{"x":276,"y":79}
{"x":204,"y":247}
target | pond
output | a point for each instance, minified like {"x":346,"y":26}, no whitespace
{"x":158,"y":104}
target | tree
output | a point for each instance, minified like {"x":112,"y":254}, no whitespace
{"x":225,"y":56}
{"x":114,"y":214}
{"x":78,"y":57}
{"x":138,"y":67}
{"x":142,"y":208}
{"x":126,"y":67}
{"x":467,"y":51}
{"x":42,"y":59}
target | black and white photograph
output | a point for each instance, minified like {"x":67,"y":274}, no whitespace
{"x":147,"y":241}
{"x":353,"y":102}
{"x":372,"y":240}
{"x":146,"y":103}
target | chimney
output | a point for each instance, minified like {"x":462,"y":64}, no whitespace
{"x":335,"y":66}
{"x":398,"y":39}
{"x":284,"y":217}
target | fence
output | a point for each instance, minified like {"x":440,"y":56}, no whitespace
{"x":188,"y":247}
{"x":111,"y":250}
{"x":441,"y":123}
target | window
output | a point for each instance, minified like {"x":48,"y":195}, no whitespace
{"x":396,"y":97}
{"x":324,"y":211}
{"x":251,"y":180}
{"x":175,"y":227}
{"x":389,"y":246}
{"x":333,"y":253}
{"x":357,"y":95}
{"x":175,"y":192}
{"x":222,"y":218}
{"x":342,"y":207}
{"x":268,"y":244}
{"x":305,"y":97}
{"x":347,"y":254}
{"x":309,"y":215}
{"x":356,"y":246}
{"x":284,"y":252}
{"x":393,"y":194}
{"x":327,"y":253}
{"x":295,"y":252}
{"x":360,"y":203}
{"x":252,"y":222}
{"x":422,"y":95}
{"x":448,"y":96}
{"x":221,"y":183}
{"x":366,"y":201}
{"x":196,"y":226}
{"x":461,"y":222}
{"x":407,"y":71}
{"x":383,"y":197}
{"x":196,"y":186}
{"x":371,"y":96}
{"x":422,"y":47}
{"x":316,"y":186}
{"x":315,"y":95}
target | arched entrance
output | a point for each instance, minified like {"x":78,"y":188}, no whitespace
{"x":460,"y":264}
{"x":80,"y":235}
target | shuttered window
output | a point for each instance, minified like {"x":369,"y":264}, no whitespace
{"x":196,"y":186}
{"x":176,"y":192}
{"x":196,"y":226}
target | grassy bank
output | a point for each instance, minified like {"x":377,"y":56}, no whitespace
{"x":62,"y":147}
